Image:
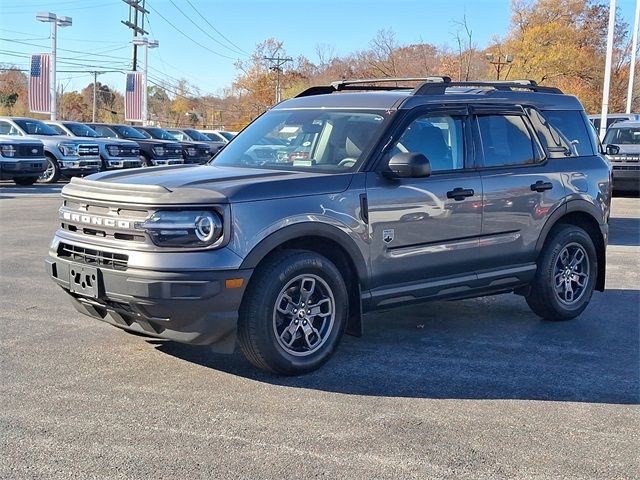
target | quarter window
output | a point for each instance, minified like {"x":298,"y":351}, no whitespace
{"x":505,"y":140}
{"x":439,"y":138}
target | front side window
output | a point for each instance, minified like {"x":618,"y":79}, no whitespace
{"x":158,"y":133}
{"x":505,"y":140}
{"x":328,"y":141}
{"x":179,"y":135}
{"x":439,"y":138}
{"x":195,"y":135}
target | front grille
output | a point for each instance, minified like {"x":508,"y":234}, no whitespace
{"x":88,"y":150}
{"x":626,"y":167}
{"x":90,"y":256}
{"x":26,"y":151}
{"x":129,"y":152}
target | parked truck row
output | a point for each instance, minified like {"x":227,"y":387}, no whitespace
{"x":34,"y":150}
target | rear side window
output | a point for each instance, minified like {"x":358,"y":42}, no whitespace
{"x":574,"y":127}
{"x":505,"y":140}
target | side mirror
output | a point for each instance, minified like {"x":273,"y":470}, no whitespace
{"x":408,"y":165}
{"x":612,"y":150}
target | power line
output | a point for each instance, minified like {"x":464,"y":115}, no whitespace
{"x":216,"y":30}
{"x":203,"y":31}
{"x":188,"y":37}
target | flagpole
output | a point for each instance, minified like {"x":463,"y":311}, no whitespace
{"x":632,"y":66}
{"x":53,"y":92}
{"x":607,"y":69}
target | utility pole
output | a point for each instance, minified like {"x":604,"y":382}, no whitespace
{"x":498,"y":63}
{"x":55,"y":22}
{"x":95,"y":80}
{"x":276,"y":65}
{"x":632,"y":66}
{"x":135,"y":7}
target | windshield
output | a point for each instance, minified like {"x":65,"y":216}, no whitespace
{"x":330,"y":141}
{"x":35,"y":127}
{"x":80,"y":130}
{"x":227,"y":135}
{"x":196,"y":135}
{"x":128,"y":132}
{"x":623,"y":136}
{"x":159,"y":133}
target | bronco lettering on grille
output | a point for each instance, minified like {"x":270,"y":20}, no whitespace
{"x":93,"y":220}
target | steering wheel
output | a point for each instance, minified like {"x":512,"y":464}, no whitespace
{"x":347,"y":162}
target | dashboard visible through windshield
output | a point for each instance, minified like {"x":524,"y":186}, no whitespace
{"x":306,"y":140}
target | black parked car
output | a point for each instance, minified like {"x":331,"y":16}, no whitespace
{"x":153,"y":152}
{"x":192,"y":152}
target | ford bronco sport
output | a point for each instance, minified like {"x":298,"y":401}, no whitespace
{"x":409,"y":193}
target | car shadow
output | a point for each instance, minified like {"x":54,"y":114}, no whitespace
{"x":487,"y":348}
{"x":624,"y":231}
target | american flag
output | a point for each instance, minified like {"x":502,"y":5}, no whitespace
{"x":133,"y":97}
{"x":39,"y":86}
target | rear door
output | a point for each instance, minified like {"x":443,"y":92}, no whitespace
{"x":522,"y":186}
{"x":422,"y":229}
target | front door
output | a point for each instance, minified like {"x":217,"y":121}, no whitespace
{"x":423,"y":229}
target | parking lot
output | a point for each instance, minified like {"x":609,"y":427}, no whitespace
{"x":470,"y":389}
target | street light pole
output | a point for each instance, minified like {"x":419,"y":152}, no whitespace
{"x":499,"y":63}
{"x":55,"y":22}
{"x":145,"y":99}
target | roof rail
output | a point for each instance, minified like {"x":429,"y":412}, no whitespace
{"x":430,"y":88}
{"x":436,"y":85}
{"x":365,"y":85}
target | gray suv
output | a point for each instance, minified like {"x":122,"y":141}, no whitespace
{"x":443,"y":190}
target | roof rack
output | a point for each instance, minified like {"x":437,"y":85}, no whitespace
{"x":365,"y":85}
{"x":436,"y":85}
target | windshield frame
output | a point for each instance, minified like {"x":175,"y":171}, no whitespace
{"x":266,"y":120}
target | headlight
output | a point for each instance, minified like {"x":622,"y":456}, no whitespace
{"x":191,"y":151}
{"x":114,"y":150}
{"x":158,"y":151}
{"x":68,"y":149}
{"x":7,"y":150}
{"x":183,"y":229}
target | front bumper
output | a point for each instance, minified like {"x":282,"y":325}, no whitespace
{"x":122,"y":162}
{"x":197,"y":160}
{"x":167,"y":161}
{"x":626,"y":179}
{"x":10,"y":169}
{"x":79,"y":166}
{"x":193,"y":307}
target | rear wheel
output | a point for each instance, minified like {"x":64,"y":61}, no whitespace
{"x":566,"y":275}
{"x":52,"y":173}
{"x":25,"y":181}
{"x":294,"y":314}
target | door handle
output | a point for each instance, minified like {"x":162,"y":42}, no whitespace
{"x":459,"y":194}
{"x":541,"y":186}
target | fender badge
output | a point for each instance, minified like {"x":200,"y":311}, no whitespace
{"x":388,"y":235}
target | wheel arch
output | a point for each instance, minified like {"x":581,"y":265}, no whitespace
{"x":584,"y":215}
{"x":330,"y":242}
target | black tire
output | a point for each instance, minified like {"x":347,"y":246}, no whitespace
{"x":544,"y":299}
{"x":25,"y":181}
{"x":146,"y":161}
{"x":260,"y":319}
{"x":52,"y":174}
{"x":104,"y":165}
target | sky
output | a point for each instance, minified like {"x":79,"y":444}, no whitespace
{"x":200,"y":40}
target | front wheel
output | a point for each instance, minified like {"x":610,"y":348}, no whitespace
{"x":294,"y":314}
{"x":145,"y":161}
{"x":566,"y":275}
{"x":52,"y":173}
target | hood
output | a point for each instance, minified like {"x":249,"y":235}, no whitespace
{"x":62,"y":138}
{"x":185,"y":184}
{"x":107,"y":141}
{"x":155,"y":141}
{"x":18,"y":140}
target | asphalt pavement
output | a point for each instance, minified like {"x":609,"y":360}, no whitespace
{"x":470,"y":389}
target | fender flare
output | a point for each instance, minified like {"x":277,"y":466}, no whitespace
{"x":309,"y":229}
